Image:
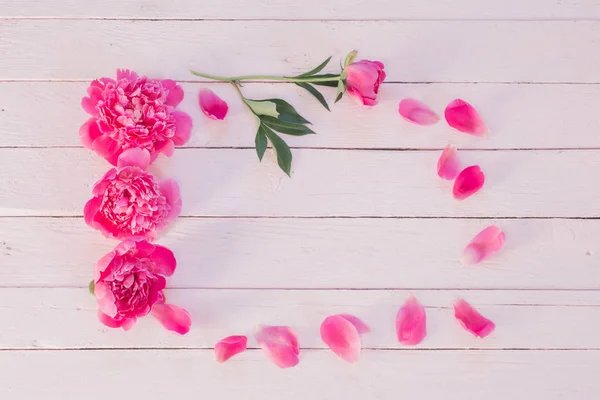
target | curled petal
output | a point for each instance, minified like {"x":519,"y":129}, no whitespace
{"x":279,"y":343}
{"x":342,"y":337}
{"x":360,"y":326}
{"x":229,"y":347}
{"x":417,"y":112}
{"x":172,"y":318}
{"x":462,"y":116}
{"x":471,"y":320}
{"x":487,"y":242}
{"x":212,"y":105}
{"x":448,"y":165}
{"x":134,"y":157}
{"x":468,"y":182}
{"x":411,"y":322}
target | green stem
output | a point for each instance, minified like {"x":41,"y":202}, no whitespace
{"x":264,"y":77}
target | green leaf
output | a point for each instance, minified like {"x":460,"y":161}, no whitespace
{"x":261,"y":141}
{"x":319,"y":68}
{"x":350,"y":58}
{"x":328,"y":83}
{"x":315,"y":93}
{"x":283,"y":110}
{"x":340,"y":91}
{"x":92,"y":287}
{"x":288,"y":128}
{"x":284,"y":154}
{"x":263,"y":107}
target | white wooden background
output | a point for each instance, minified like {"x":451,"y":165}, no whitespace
{"x":363,"y":223}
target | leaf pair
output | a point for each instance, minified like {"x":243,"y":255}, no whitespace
{"x":312,"y":74}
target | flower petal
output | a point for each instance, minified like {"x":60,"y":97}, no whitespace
{"x":417,"y":112}
{"x":134,"y":157}
{"x":360,"y":326}
{"x":462,"y":116}
{"x":89,"y":132}
{"x":212,"y":105}
{"x":105,"y":146}
{"x":468,"y":182}
{"x":165,"y":260}
{"x":411,"y":322}
{"x":183,"y":130}
{"x":448,"y":165}
{"x":175,"y":95}
{"x":170,"y":189}
{"x":471,"y":320}
{"x":279,"y":343}
{"x":342,"y":337}
{"x":172,"y":318}
{"x":229,"y":347}
{"x":487,"y":242}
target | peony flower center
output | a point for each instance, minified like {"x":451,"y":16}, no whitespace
{"x":132,"y":287}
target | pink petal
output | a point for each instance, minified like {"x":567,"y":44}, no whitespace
{"x":448,"y":165}
{"x":89,"y":132}
{"x":105,"y":146}
{"x":126,"y":74}
{"x":462,"y":116}
{"x":229,"y":347}
{"x":360,"y":326}
{"x":165,"y":261}
{"x":183,"y":128}
{"x":415,"y":111}
{"x":170,"y":189}
{"x":468,"y":182}
{"x":172,"y":318}
{"x":471,"y":320}
{"x":411,"y":322}
{"x":175,"y":95}
{"x":108,"y":321}
{"x":279,"y":343}
{"x":134,"y":157}
{"x":342,"y":337}
{"x":212,"y":105}
{"x":487,"y":242}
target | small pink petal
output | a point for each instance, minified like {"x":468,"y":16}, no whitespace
{"x":229,"y":347}
{"x":471,"y":320}
{"x":175,"y":95}
{"x":183,"y":128}
{"x":172,"y":318}
{"x":487,"y":242}
{"x":105,"y":146}
{"x":89,"y":132}
{"x":360,"y":326}
{"x":411,"y":322}
{"x":279,"y":343}
{"x":134,"y":157}
{"x":462,"y":116}
{"x":417,"y":112}
{"x":448,"y":165}
{"x":342,"y":337}
{"x":468,"y":182}
{"x":212,"y":105}
{"x":164,"y":260}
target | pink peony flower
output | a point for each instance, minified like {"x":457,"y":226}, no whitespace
{"x":129,"y":282}
{"x":134,"y":112}
{"x":363,"y":80}
{"x":129,"y":203}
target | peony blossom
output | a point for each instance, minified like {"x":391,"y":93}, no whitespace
{"x":134,"y":112}
{"x":128,"y":284}
{"x":363,"y":80}
{"x":129,"y":203}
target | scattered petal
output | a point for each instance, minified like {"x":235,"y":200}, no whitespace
{"x":134,"y":157}
{"x":471,"y":320}
{"x":172,"y":318}
{"x":462,"y":116}
{"x":448,"y":165}
{"x":417,"y":112}
{"x":411,"y":322}
{"x":229,"y":347}
{"x":360,"y":326}
{"x":342,"y":337}
{"x":487,"y":242}
{"x":279,"y":343}
{"x":212,"y":105}
{"x":468,"y":182}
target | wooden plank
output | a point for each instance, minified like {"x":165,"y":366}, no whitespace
{"x":524,"y":319}
{"x":324,"y":183}
{"x":422,"y":51}
{"x":493,"y":375}
{"x":317,"y":253}
{"x":519,"y":116}
{"x":308,"y":9}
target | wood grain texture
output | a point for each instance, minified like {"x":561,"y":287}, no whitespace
{"x":308,"y":9}
{"x":422,"y":51}
{"x":323,"y":183}
{"x":317,"y":253}
{"x":459,"y":375}
{"x":524,"y":319}
{"x":47,"y":114}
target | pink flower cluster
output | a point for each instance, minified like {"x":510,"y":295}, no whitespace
{"x":134,"y":120}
